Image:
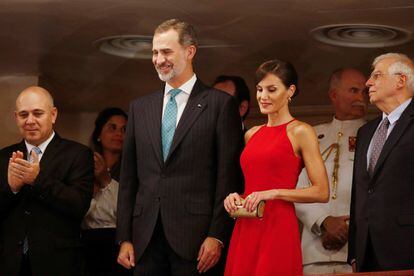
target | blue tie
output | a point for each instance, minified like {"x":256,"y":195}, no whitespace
{"x":169,"y":121}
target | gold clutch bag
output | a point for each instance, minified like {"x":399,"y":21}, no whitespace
{"x":243,"y":213}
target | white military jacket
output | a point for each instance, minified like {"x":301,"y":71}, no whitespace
{"x":312,"y":215}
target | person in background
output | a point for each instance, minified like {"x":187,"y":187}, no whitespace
{"x":45,"y":191}
{"x":99,"y":224}
{"x":381,"y":229}
{"x":325,"y":231}
{"x":272,"y":160}
{"x":236,"y":87}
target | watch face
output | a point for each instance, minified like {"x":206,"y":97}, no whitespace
{"x":351,"y":143}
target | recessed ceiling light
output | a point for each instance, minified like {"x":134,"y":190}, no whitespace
{"x":361,"y":35}
{"x":127,"y":46}
{"x":140,"y":46}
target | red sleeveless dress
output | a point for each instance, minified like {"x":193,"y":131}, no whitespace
{"x":271,"y":245}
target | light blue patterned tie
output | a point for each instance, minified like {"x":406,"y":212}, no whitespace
{"x":169,"y":121}
{"x":38,"y":151}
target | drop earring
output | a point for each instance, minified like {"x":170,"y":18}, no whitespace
{"x":289,"y":99}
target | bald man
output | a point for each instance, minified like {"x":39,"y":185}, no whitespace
{"x":325,"y":226}
{"x":45,"y":191}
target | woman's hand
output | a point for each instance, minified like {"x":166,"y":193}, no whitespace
{"x":252,"y":200}
{"x":102,"y":175}
{"x":231,"y":202}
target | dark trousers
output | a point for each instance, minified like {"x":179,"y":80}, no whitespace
{"x":370,"y":262}
{"x":25,"y":269}
{"x":160,"y":259}
{"x":102,"y":252}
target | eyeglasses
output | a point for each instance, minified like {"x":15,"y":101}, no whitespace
{"x":376,"y":75}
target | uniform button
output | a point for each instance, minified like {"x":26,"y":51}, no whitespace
{"x":370,"y":191}
{"x":27,"y":212}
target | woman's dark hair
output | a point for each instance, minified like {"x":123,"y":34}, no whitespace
{"x":101,"y":120}
{"x":281,"y":69}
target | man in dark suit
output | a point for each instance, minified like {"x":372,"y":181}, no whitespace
{"x":381,"y":233}
{"x":180,"y":160}
{"x":45,"y":190}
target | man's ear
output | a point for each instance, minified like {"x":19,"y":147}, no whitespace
{"x":243,"y":107}
{"x":332,"y":95}
{"x":401,"y":81}
{"x":54,"y":113}
{"x":191,"y":51}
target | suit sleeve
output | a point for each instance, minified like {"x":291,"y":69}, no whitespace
{"x":229,"y":145}
{"x":72,"y":193}
{"x":352,"y":224}
{"x":129,"y":182}
{"x":6,"y":195}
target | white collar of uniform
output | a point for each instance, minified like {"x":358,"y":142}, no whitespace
{"x":345,"y":124}
{"x":396,"y":113}
{"x":42,"y":146}
{"x":186,"y":87}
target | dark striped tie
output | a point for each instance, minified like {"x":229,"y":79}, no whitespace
{"x":378,"y":141}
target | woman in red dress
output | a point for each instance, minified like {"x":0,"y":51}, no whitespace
{"x":272,"y":160}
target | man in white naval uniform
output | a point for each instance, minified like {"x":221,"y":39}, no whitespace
{"x":325,"y":226}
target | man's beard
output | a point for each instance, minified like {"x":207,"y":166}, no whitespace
{"x":176,"y":70}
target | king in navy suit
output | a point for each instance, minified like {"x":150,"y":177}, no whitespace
{"x":180,"y":160}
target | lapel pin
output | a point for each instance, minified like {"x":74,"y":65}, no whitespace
{"x":199,"y":105}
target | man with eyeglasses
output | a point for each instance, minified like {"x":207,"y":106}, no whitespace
{"x":381,"y":235}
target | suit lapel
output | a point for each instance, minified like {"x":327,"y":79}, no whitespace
{"x":153,"y":120}
{"x":403,"y":122}
{"x":195,"y":106}
{"x":51,"y":151}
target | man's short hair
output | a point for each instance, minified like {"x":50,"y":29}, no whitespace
{"x":242,"y":92}
{"x":402,"y":64}
{"x":186,"y":33}
{"x":336,"y":76}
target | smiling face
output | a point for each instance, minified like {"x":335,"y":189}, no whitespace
{"x":172,"y":60}
{"x":112,"y":134}
{"x":35,"y":115}
{"x":272,"y":95}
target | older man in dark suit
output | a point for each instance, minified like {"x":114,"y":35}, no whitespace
{"x":180,"y":160}
{"x":381,"y":233}
{"x":45,"y":190}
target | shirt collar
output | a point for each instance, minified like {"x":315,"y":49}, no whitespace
{"x":42,"y":146}
{"x":345,"y":124}
{"x":185,"y":87}
{"x":396,"y":113}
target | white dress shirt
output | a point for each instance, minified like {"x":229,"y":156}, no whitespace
{"x":392,"y":118}
{"x":42,"y":146}
{"x":181,"y":98}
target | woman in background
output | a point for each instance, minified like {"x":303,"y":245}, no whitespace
{"x":100,"y":222}
{"x":272,"y":160}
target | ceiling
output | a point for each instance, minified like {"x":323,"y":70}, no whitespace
{"x":55,"y":39}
